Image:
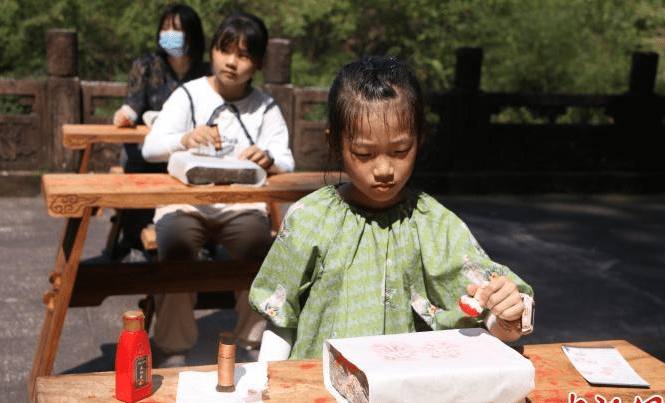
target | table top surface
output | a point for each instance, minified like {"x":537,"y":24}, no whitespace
{"x":68,"y":194}
{"x":76,"y":136}
{"x":302,"y":380}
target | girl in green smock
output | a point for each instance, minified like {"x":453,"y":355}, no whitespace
{"x":370,"y":256}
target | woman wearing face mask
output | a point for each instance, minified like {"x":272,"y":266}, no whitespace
{"x":153,"y":77}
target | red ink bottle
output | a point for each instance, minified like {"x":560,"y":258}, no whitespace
{"x":133,"y":361}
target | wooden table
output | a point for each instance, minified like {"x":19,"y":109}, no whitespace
{"x":75,"y":196}
{"x":302,"y":381}
{"x":84,"y":136}
{"x":69,"y":195}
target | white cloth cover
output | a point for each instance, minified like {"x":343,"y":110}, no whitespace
{"x":181,"y":162}
{"x":458,"y":365}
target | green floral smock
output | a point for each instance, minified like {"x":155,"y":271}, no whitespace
{"x":337,"y":271}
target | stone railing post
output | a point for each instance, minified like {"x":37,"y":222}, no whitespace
{"x":63,"y":93}
{"x":277,"y":75}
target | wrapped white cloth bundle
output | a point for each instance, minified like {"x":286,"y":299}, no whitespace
{"x":196,"y":169}
{"x":459,"y":365}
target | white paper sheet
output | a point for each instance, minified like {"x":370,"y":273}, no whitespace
{"x":459,"y":365}
{"x":603,"y":366}
{"x":250,"y":380}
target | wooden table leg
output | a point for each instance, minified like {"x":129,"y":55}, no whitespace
{"x":114,"y":234}
{"x":85,"y":159}
{"x":58,"y":297}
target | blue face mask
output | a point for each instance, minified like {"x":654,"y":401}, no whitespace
{"x":173,"y":42}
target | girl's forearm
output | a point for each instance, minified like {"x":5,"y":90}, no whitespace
{"x":159,"y":148}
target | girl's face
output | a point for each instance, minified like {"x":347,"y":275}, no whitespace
{"x":379,"y":160}
{"x":233,"y":67}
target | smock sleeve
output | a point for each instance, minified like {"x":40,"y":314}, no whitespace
{"x":286,"y":273}
{"x":452,"y":258}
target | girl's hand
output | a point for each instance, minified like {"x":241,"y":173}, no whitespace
{"x":258,"y":156}
{"x":120,"y":119}
{"x":202,"y":135}
{"x":500,"y":296}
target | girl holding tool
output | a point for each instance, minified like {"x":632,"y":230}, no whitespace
{"x":223,"y":110}
{"x":371,"y":256}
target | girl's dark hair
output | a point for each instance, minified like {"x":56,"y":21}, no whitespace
{"x":360,"y":85}
{"x":239,"y":26}
{"x":191,"y":25}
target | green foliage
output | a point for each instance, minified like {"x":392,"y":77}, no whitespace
{"x":579,"y":46}
{"x":11,"y":105}
{"x":562,"y":46}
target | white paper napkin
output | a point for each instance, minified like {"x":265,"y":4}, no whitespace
{"x":250,"y":380}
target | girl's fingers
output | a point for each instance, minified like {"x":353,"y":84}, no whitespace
{"x":249,"y":153}
{"x":120,"y":119}
{"x":209,"y":135}
{"x":499,"y":295}
{"x":509,"y":309}
{"x":499,"y":289}
{"x":481,"y":291}
{"x":472,"y":288}
{"x":256,"y":155}
{"x":504,"y":299}
{"x":202,"y":135}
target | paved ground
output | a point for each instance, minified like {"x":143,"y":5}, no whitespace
{"x":597,"y":265}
